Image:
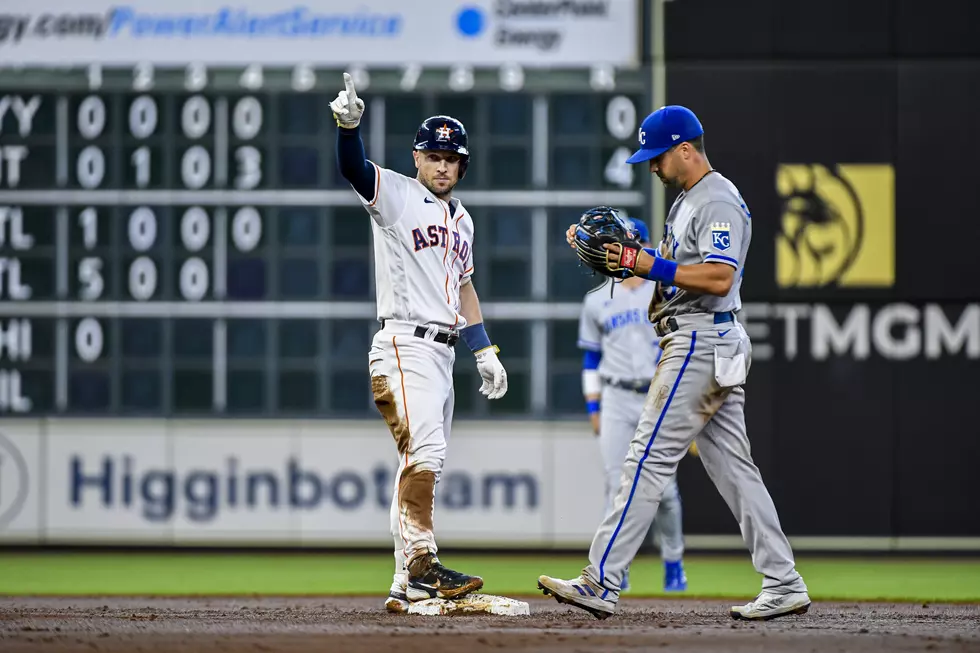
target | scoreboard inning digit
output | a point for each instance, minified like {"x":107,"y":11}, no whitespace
{"x":178,"y":241}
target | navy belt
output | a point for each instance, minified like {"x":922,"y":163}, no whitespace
{"x":663,"y":327}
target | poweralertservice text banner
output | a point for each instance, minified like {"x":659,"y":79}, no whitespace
{"x":321,"y":32}
{"x":287,"y":483}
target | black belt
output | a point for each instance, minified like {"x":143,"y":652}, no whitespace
{"x":442,"y":337}
{"x":663,"y":327}
{"x":636,"y":386}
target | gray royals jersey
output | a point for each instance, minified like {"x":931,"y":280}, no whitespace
{"x":710,"y":223}
{"x":618,"y":327}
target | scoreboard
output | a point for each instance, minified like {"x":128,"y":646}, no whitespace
{"x":179,"y":241}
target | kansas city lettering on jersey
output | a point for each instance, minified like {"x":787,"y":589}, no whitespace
{"x":438,"y":236}
{"x":625,"y":318}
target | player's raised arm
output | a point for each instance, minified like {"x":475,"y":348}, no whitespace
{"x":347,"y":110}
{"x":476,"y":338}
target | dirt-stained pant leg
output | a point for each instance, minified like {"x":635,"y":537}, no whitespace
{"x":411,"y":379}
{"x":726,"y":454}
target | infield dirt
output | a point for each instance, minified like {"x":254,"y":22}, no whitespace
{"x":294,"y":625}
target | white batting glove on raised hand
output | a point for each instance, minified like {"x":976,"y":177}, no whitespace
{"x":347,"y":107}
{"x":493,"y":373}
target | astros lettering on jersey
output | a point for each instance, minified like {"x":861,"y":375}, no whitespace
{"x":421,"y":254}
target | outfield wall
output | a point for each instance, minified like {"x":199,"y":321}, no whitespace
{"x":286,"y":483}
{"x":328,"y":484}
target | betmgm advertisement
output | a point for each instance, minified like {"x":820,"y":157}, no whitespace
{"x":387,"y":33}
{"x":287,"y":484}
{"x":837,"y":226}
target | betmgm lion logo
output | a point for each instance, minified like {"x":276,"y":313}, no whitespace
{"x":837,"y":226}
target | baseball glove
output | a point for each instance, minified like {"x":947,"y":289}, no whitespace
{"x":600,"y":226}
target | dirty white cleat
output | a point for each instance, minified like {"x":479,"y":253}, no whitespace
{"x":397,"y":600}
{"x":580,"y":593}
{"x":769,"y":605}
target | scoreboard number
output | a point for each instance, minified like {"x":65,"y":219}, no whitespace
{"x":142,"y":278}
{"x":195,"y":229}
{"x":621,"y":123}
{"x":142,"y":117}
{"x":410,"y":77}
{"x":91,"y":117}
{"x":195,"y":77}
{"x":89,"y":339}
{"x":141,"y":161}
{"x":246,"y":229}
{"x":303,"y":78}
{"x":194,"y":279}
{"x":88,"y":220}
{"x":90,"y":167}
{"x":143,"y":76}
{"x":246,"y":119}
{"x":195,"y":117}
{"x":252,"y":77}
{"x":195,"y":167}
{"x":511,"y":77}
{"x":142,"y":228}
{"x":90,"y":276}
{"x":94,"y":73}
{"x":461,"y":78}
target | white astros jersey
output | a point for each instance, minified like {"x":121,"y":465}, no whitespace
{"x":422,"y":254}
{"x":618,"y":326}
{"x":709,"y":223}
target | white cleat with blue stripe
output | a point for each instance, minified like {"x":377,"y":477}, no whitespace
{"x":580,"y":593}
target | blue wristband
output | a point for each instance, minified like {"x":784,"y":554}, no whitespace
{"x":475,"y":337}
{"x":592,"y":406}
{"x":662,"y":270}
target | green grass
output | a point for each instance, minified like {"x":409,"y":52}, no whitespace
{"x":303,"y":573}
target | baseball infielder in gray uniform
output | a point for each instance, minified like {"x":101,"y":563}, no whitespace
{"x":697,"y":393}
{"x":621,"y":353}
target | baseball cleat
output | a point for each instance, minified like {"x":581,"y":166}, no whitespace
{"x":580,"y":593}
{"x":674,"y":578}
{"x":429,"y":579}
{"x":769,"y":605}
{"x":397,"y":602}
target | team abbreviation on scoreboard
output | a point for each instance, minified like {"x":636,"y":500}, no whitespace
{"x":15,"y":334}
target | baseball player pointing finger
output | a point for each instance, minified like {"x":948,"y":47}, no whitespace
{"x":423,"y":250}
{"x":697,"y":391}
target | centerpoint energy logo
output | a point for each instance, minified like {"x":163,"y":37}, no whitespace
{"x":837,"y":226}
{"x":132,"y":22}
{"x":527,"y":24}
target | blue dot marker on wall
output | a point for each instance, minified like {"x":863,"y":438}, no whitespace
{"x":470,"y":21}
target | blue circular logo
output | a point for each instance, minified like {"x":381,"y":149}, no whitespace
{"x":470,"y":21}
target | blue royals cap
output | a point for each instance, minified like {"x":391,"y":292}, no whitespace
{"x":640,"y":228}
{"x":663,"y":129}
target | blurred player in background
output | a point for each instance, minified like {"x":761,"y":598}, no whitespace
{"x":426,"y":302}
{"x":621,"y":354}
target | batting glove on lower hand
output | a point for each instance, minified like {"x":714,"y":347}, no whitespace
{"x":493,"y":373}
{"x":347,"y":107}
